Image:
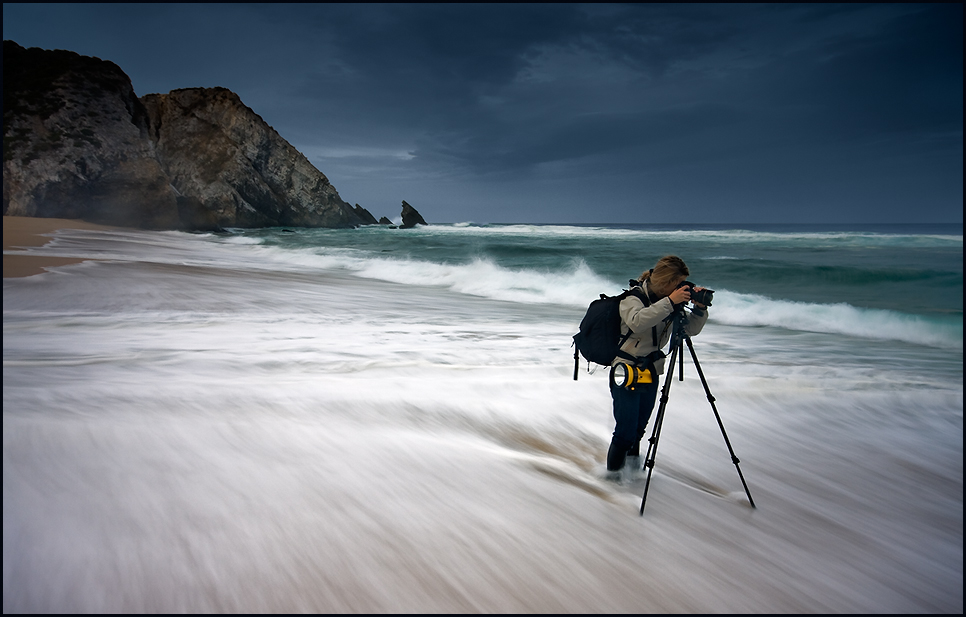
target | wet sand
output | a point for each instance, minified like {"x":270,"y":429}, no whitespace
{"x":24,"y":232}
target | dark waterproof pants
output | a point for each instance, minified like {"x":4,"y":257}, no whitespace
{"x":632,"y":410}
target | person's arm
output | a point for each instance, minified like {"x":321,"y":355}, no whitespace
{"x":639,"y":318}
{"x":696,"y":320}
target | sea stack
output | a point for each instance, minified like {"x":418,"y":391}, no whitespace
{"x":410,"y":217}
{"x":365,"y":216}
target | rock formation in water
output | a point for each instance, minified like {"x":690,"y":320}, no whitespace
{"x":410,"y":217}
{"x":78,"y":143}
{"x":365,"y":216}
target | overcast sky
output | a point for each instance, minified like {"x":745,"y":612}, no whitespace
{"x":575,"y":113}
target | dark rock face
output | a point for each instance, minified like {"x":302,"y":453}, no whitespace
{"x":365,"y":216}
{"x":75,"y":143}
{"x":233,"y":169}
{"x":78,"y":143}
{"x":410,"y":217}
{"x":384,"y":221}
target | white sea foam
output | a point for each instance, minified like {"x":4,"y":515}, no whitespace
{"x":201,"y":426}
{"x":753,"y":310}
{"x":575,"y":285}
{"x":579,"y":285}
{"x":243,"y":240}
{"x":484,"y":278}
{"x":726,"y":236}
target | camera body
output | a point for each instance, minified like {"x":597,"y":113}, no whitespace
{"x":701,"y":297}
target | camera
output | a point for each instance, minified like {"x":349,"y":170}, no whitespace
{"x":701,"y":297}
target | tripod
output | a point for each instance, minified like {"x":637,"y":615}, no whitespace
{"x":678,"y":338}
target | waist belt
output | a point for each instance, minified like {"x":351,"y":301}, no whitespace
{"x":644,"y":361}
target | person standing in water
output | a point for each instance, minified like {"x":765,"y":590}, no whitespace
{"x":643,"y":314}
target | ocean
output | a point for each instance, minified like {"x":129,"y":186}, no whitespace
{"x":385,"y":420}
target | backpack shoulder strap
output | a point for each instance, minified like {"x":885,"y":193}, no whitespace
{"x":636,"y":289}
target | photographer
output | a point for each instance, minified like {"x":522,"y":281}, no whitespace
{"x":643,"y":323}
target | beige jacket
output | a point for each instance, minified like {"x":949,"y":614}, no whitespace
{"x":640,"y":319}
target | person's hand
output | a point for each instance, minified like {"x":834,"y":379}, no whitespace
{"x":680,"y":295}
{"x":698,"y":304}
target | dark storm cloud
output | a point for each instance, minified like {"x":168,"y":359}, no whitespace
{"x":478,"y":86}
{"x":904,"y":75}
{"x":507,"y":85}
{"x":722,"y":112}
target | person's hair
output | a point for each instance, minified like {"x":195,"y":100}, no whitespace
{"x":662,"y":276}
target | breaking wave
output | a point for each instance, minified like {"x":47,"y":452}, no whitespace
{"x":577,"y":285}
{"x":754,"y":310}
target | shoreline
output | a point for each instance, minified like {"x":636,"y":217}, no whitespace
{"x":22,"y":232}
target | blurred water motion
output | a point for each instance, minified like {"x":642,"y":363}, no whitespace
{"x":185,"y":431}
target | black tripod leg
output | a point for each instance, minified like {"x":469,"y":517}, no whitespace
{"x":707,"y":390}
{"x":680,"y":361}
{"x":658,"y":423}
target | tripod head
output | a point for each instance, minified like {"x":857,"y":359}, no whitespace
{"x":679,"y":319}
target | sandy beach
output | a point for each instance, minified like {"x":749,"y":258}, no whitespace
{"x":23,"y":232}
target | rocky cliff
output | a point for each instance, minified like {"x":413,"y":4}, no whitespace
{"x":75,"y":143}
{"x":234,"y":169}
{"x":78,"y":143}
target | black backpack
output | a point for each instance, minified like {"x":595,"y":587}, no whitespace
{"x":599,"y":339}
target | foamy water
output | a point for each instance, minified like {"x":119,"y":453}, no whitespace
{"x":223,"y":424}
